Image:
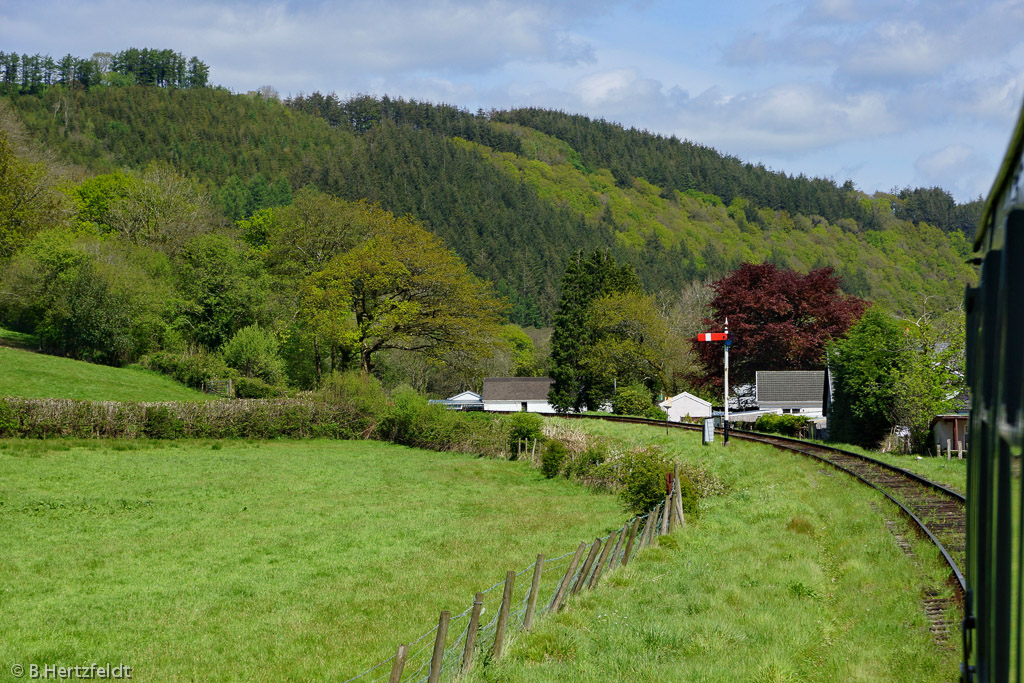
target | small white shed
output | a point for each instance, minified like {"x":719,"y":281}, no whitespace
{"x":681,"y":405}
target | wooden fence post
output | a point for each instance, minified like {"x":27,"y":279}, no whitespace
{"x":666,"y":514}
{"x":569,"y":573}
{"x":614,"y":561}
{"x":531,"y":604}
{"x":506,"y":603}
{"x":585,"y":572}
{"x":439,"y":642}
{"x":652,"y":519}
{"x":471,"y":630}
{"x":533,"y":456}
{"x":632,"y":537}
{"x":603,"y":560}
{"x":960,"y":450}
{"x":396,"y":668}
{"x":678,"y":502}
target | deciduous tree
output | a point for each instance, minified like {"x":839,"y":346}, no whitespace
{"x":402,"y":289}
{"x":778,"y":320}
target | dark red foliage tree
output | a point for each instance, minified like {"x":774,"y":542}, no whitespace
{"x":778,"y":320}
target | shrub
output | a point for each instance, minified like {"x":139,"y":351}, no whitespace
{"x":162,"y":424}
{"x":587,"y":465}
{"x":357,"y":395}
{"x":689,"y":495}
{"x":253,"y":351}
{"x":253,"y":387}
{"x":641,"y":474}
{"x":525,"y":426}
{"x":656,"y":413}
{"x":551,"y":462}
{"x":191,"y":369}
{"x":788,"y":425}
{"x":632,"y":400}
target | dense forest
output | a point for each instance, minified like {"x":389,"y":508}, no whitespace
{"x":513,"y":194}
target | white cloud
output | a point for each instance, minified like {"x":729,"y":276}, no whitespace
{"x":958,"y":168}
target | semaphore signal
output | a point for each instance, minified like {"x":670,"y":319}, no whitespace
{"x":722,"y":337}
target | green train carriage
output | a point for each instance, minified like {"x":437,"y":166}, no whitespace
{"x":995,"y":372}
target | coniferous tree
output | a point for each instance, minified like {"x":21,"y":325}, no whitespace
{"x":586,"y":279}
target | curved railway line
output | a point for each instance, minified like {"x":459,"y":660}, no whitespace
{"x":936,"y":510}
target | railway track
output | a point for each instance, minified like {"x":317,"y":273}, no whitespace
{"x":936,"y":510}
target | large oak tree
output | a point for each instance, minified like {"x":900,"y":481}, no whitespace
{"x":402,"y":289}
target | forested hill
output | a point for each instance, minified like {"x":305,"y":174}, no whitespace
{"x":513,"y":193}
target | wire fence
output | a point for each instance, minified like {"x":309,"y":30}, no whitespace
{"x":457,"y":644}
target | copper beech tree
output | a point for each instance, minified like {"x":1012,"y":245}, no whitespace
{"x":778,"y":320}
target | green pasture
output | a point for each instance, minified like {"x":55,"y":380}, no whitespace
{"x":791,"y":575}
{"x":259,"y":561}
{"x":36,"y":375}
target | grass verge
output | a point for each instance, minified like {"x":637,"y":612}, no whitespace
{"x":789,"y":576}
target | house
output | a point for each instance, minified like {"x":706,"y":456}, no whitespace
{"x":467,"y":400}
{"x":516,"y":394}
{"x":791,"y":391}
{"x":685,"y":404}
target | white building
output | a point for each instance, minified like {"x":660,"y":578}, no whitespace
{"x":685,"y":405}
{"x":467,"y":400}
{"x":517,"y":394}
{"x":792,"y":391}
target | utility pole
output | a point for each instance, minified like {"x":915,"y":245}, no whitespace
{"x":725,"y":423}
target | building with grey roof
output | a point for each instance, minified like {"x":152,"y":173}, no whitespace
{"x":515,"y":394}
{"x":791,"y":391}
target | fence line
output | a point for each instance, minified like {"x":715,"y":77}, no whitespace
{"x":456,"y":648}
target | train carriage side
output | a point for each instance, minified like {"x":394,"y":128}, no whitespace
{"x":995,"y":373}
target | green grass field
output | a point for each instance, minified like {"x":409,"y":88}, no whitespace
{"x":790,"y":576}
{"x":35,"y":375}
{"x":259,"y":561}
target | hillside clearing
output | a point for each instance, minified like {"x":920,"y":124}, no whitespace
{"x":35,"y":375}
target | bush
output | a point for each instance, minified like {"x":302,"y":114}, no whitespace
{"x":357,"y":395}
{"x":587,"y":465}
{"x":162,"y":424}
{"x":788,"y":425}
{"x":641,"y":474}
{"x":525,"y":426}
{"x":253,"y":387}
{"x":632,"y":400}
{"x":689,"y":495}
{"x":656,"y":413}
{"x":253,"y":351}
{"x":191,"y":369}
{"x":551,"y":462}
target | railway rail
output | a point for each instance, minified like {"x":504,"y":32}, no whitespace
{"x":936,"y":510}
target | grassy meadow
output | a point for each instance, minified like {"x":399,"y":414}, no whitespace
{"x":36,"y":375}
{"x":791,"y":575}
{"x":281,"y":560}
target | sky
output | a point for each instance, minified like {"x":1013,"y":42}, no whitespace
{"x":885,"y":93}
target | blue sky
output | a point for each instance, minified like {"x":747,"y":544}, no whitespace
{"x":885,"y":93}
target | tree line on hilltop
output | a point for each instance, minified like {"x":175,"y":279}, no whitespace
{"x":25,"y":73}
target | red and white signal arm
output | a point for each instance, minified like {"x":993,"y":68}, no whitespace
{"x":713,"y":336}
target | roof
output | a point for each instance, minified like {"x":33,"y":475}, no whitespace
{"x":790,"y":386}
{"x":517,"y":388}
{"x":465,"y":396}
{"x":679,"y":397}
